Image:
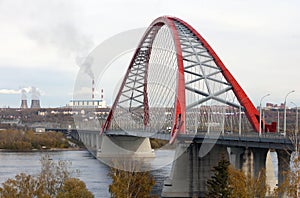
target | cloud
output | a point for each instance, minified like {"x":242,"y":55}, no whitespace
{"x":35,"y":92}
{"x":9,"y":91}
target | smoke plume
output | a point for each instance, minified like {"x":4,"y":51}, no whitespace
{"x":23,"y":94}
{"x":35,"y":93}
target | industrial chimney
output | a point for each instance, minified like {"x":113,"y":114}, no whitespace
{"x":93,"y":89}
{"x":23,"y":99}
{"x":35,"y":102}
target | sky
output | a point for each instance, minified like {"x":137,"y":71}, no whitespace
{"x":43,"y":41}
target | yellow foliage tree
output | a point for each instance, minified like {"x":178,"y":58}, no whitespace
{"x":53,"y":180}
{"x":74,"y":187}
{"x":247,"y":186}
{"x":130,"y":183}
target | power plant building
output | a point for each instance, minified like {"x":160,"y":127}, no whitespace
{"x":87,"y":103}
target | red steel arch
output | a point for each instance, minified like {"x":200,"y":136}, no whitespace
{"x":251,"y":111}
{"x":180,"y":102}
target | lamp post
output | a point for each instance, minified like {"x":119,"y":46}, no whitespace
{"x":240,"y":117}
{"x":296,"y":128}
{"x":278,"y":122}
{"x":240,"y":120}
{"x":296,"y":140}
{"x":296,"y":123}
{"x":260,"y":112}
{"x":284,"y":116}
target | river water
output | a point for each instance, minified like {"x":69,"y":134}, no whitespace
{"x":91,"y":171}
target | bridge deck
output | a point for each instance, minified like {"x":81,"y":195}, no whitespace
{"x":249,"y":139}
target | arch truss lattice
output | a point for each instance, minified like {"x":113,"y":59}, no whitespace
{"x":176,"y":82}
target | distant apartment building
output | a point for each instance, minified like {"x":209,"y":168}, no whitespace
{"x":274,"y":106}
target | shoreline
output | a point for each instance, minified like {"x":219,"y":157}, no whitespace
{"x":44,"y":150}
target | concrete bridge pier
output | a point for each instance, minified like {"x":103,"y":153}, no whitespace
{"x":259,"y":157}
{"x":284,"y":157}
{"x":247,"y":166}
{"x":236,"y":155}
{"x":190,"y":172}
{"x":124,"y":146}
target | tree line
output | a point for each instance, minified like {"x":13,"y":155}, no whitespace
{"x":19,"y":140}
{"x":228,"y":182}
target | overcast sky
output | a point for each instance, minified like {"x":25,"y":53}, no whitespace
{"x":40,"y":41}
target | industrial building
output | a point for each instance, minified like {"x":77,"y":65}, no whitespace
{"x":87,"y":103}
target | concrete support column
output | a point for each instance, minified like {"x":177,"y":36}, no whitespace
{"x":236,"y":155}
{"x":178,"y":183}
{"x":259,"y":157}
{"x":284,"y":158}
{"x":270,"y":175}
{"x":247,"y":167}
{"x":190,"y":172}
{"x":97,"y":142}
{"x":90,"y":138}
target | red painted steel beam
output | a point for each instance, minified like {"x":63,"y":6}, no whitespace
{"x":251,"y":111}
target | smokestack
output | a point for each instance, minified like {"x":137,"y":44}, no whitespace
{"x":101,"y":94}
{"x":93,"y":89}
{"x":23,"y":99}
{"x":35,"y":101}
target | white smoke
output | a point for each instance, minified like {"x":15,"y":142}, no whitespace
{"x":86,"y":64}
{"x":23,"y":94}
{"x":67,"y":39}
{"x":35,"y":93}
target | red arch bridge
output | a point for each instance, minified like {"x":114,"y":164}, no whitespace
{"x":176,"y":88}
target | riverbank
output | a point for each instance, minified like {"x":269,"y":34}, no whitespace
{"x":28,"y":140}
{"x":44,"y":150}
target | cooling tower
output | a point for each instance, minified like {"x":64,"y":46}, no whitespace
{"x":23,"y":99}
{"x":24,"y":104}
{"x":35,"y":104}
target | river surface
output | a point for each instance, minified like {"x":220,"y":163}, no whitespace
{"x":91,"y":171}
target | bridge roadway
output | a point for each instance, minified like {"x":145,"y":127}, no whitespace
{"x":247,"y":139}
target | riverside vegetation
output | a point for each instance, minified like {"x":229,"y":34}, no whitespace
{"x":227,"y":182}
{"x":54,"y":181}
{"x":19,"y":140}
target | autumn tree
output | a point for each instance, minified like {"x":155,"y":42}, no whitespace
{"x":22,"y":186}
{"x":53,"y":180}
{"x":291,"y":186}
{"x":246,"y":186}
{"x":74,"y":187}
{"x":218,"y":185}
{"x":130,"y":182}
